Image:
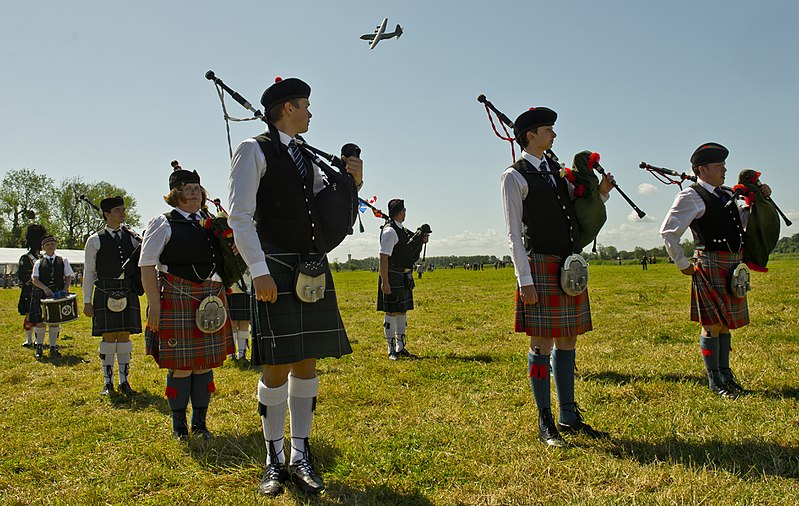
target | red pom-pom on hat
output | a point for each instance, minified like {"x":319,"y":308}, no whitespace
{"x":278,"y":79}
{"x":531,"y":109}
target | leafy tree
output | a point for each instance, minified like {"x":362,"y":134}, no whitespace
{"x":24,"y":199}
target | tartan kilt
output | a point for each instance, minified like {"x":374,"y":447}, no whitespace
{"x":24,"y":304}
{"x":178,"y":343}
{"x":401,"y":297}
{"x":556,"y":314}
{"x":288,"y":330}
{"x":35,"y":306}
{"x":711,"y":300}
{"x":105,"y":320}
{"x":239,"y":305}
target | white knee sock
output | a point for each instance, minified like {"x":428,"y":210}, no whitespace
{"x":241,"y":342}
{"x":107,"y":351}
{"x":124,"y":351}
{"x":53,"y":331}
{"x":302,"y":397}
{"x":39,"y":335}
{"x":401,"y":320}
{"x":390,"y":329}
{"x":272,"y":404}
{"x":29,"y":336}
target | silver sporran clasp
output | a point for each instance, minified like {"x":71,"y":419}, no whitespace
{"x":211,"y":315}
{"x":574,"y":275}
{"x":116,"y":300}
{"x":739,"y":281}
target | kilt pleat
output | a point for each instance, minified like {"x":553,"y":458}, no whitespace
{"x":105,"y":320}
{"x":178,"y":343}
{"x":24,"y":304}
{"x":556,"y":314}
{"x":288,"y":330}
{"x":711,"y":300}
{"x":239,"y":305}
{"x":35,"y":307}
{"x":400,"y":299}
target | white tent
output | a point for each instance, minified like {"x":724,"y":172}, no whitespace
{"x":9,"y":258}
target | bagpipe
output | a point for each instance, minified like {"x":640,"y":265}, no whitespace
{"x":233,"y":265}
{"x":763,"y":228}
{"x":415,"y":241}
{"x":138,"y":287}
{"x":589,"y":207}
{"x":338,"y":201}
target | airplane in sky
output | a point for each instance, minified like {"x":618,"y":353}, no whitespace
{"x":380,"y":34}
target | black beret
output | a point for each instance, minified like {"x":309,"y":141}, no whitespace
{"x":109,"y":203}
{"x":284,"y":90}
{"x":180,"y":177}
{"x":395,"y":206}
{"x":533,"y":118}
{"x":710,"y":152}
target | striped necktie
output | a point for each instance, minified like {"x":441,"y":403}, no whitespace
{"x":544,"y":167}
{"x":722,"y":195}
{"x":294,"y":150}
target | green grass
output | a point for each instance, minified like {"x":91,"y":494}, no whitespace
{"x":456,"y":426}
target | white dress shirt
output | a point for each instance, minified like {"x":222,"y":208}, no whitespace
{"x":389,"y":238}
{"x":247,"y":168}
{"x":513,"y":190}
{"x":156,"y":235}
{"x":68,"y":272}
{"x":687,"y":207}
{"x":90,"y":260}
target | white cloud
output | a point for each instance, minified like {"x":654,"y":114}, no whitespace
{"x":633,"y":218}
{"x":647,"y":189}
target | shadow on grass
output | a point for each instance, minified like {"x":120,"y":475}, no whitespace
{"x":65,"y":360}
{"x":750,"y":460}
{"x":624,"y":379}
{"x":778,"y":393}
{"x":481,"y":358}
{"x":378,"y":495}
{"x":139,"y":402}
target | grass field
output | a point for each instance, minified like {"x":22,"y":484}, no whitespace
{"x":456,"y":426}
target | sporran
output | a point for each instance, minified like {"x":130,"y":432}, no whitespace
{"x":574,"y":275}
{"x":309,"y":280}
{"x":739,"y":281}
{"x":211,"y":315}
{"x":116,"y":300}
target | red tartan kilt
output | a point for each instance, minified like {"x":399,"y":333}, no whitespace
{"x":711,"y":300}
{"x":178,"y":343}
{"x":556,"y":314}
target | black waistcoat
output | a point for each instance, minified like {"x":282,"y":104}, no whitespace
{"x":192,"y":252}
{"x":285,"y":212}
{"x":720,"y":228}
{"x":402,"y":256}
{"x":549,"y":215}
{"x":111,"y":256}
{"x":52,"y":276}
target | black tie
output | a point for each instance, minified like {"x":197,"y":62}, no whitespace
{"x":193,"y":217}
{"x":722,"y":195}
{"x":545,"y":168}
{"x":117,"y":237}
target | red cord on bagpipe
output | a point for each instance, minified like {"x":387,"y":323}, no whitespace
{"x":507,"y":136}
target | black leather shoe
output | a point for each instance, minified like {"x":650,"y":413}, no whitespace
{"x":126,"y":389}
{"x":547,"y":432}
{"x":718,"y":387}
{"x":733,"y":386}
{"x":580,"y":427}
{"x":303,"y":475}
{"x":272,"y":482}
{"x":54,"y":352}
{"x":26,"y":344}
{"x":39,"y":353}
{"x":107,"y":389}
{"x":180,"y":430}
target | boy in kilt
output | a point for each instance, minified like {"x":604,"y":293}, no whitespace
{"x":51,"y":274}
{"x":180,"y":264}
{"x":33,"y":238}
{"x":542,"y":231}
{"x":239,"y":305}
{"x":717,"y":225}
{"x":276,"y":224}
{"x":111,"y":271}
{"x":395,"y":284}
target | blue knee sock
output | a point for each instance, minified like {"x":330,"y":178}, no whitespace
{"x":563,"y":370}
{"x":538,"y":373}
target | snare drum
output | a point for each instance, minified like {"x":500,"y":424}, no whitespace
{"x":56,"y":311}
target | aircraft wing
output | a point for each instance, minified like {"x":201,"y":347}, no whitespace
{"x":368,"y":36}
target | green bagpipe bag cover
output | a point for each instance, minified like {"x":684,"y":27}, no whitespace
{"x":233,"y":265}
{"x":588,"y":205}
{"x":763,"y":228}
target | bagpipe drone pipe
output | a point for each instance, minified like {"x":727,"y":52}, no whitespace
{"x":763,"y":228}
{"x":233,"y":265}
{"x":338,"y":202}
{"x":588,"y":205}
{"x":416,"y":243}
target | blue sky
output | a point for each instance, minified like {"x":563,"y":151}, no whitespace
{"x":115,"y":91}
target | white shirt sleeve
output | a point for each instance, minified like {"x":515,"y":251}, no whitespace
{"x":687,"y":207}
{"x":155,"y":238}
{"x":35,"y":271}
{"x":388,"y":239}
{"x":247,"y":168}
{"x":90,"y":266}
{"x":68,"y":272}
{"x":513,"y":191}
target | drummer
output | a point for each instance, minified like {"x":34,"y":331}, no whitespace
{"x":111,"y":269}
{"x":51,"y":274}
{"x":180,"y":263}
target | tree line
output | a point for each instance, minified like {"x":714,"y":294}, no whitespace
{"x":28,"y":197}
